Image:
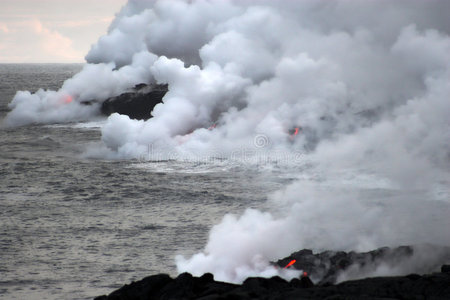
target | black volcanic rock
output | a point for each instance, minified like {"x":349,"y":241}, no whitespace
{"x":445,"y":269}
{"x":185,"y":286}
{"x":323,"y":267}
{"x":140,"y":290}
{"x":137,"y":103}
{"x":326,"y":266}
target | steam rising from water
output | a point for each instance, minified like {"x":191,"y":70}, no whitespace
{"x":366,"y":82}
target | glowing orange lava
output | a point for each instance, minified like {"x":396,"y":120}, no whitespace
{"x":68,"y":99}
{"x":305,"y":274}
{"x":294,"y":134}
{"x":290,"y":263}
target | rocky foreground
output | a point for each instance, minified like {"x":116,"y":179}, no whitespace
{"x":185,"y":286}
{"x":324,"y":268}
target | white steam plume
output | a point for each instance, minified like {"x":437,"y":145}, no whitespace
{"x":367,"y":84}
{"x":95,"y":83}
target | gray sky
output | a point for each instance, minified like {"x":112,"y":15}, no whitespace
{"x":52,"y":30}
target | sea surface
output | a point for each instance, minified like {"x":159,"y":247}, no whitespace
{"x":73,"y":227}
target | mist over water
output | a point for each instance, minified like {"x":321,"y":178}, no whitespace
{"x":74,"y":228}
{"x":365,"y":83}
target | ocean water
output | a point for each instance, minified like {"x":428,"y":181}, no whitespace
{"x":73,"y":227}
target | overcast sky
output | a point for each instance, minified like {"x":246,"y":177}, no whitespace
{"x":33,"y":31}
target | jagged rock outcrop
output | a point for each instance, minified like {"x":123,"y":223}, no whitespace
{"x":185,"y":286}
{"x":137,"y":103}
{"x":324,"y":268}
{"x":327,"y":266}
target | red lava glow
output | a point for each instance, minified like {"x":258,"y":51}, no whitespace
{"x":294,"y":134}
{"x":290,"y":263}
{"x":305,"y":274}
{"x":212,"y":126}
{"x":68,"y":99}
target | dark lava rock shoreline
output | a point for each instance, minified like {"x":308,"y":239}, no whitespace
{"x":185,"y":286}
{"x":324,"y":266}
{"x":328,"y":266}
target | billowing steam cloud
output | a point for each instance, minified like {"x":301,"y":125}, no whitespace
{"x":366,"y":83}
{"x":94,"y":82}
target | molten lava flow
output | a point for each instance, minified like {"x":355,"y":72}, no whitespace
{"x":293,"y":132}
{"x":68,"y":99}
{"x":290,"y":263}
